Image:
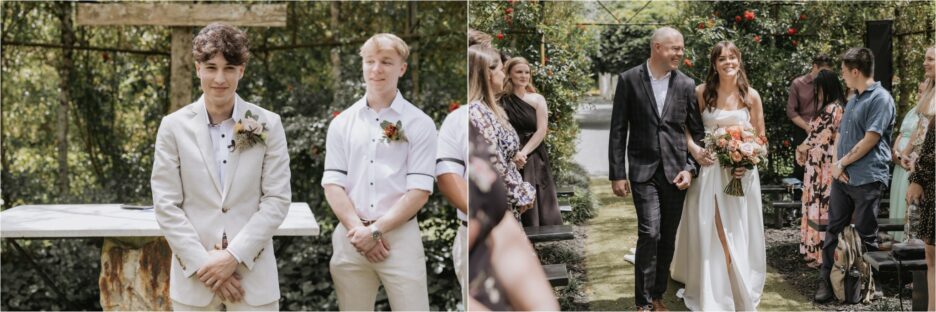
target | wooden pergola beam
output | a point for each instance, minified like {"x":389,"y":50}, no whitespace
{"x":180,"y":14}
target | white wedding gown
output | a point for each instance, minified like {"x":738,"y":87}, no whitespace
{"x":699,"y":260}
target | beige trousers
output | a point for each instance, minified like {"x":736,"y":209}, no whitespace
{"x":218,"y":305}
{"x":403,"y":273}
{"x":460,"y":259}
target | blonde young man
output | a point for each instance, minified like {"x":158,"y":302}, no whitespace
{"x":379,"y":171}
{"x":221,"y":186}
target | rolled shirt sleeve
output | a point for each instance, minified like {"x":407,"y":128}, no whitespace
{"x":336,"y":154}
{"x":453,"y":143}
{"x":420,"y":162}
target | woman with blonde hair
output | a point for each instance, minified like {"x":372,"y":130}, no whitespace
{"x":485,"y":80}
{"x":528,"y":115}
{"x":505,"y":273}
{"x":908,"y":141}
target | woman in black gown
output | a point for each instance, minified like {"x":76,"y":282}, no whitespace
{"x":528,"y":114}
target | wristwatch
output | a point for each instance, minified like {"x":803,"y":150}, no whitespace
{"x":376,"y":234}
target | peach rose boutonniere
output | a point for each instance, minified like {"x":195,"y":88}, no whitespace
{"x":248,"y":132}
{"x":393,"y":131}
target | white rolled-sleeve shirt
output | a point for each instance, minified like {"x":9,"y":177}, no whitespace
{"x":374,"y":171}
{"x":453,"y":147}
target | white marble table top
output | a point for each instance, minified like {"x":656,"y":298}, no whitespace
{"x":109,"y":220}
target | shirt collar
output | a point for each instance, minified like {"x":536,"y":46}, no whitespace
{"x":871,"y":88}
{"x":650,"y":73}
{"x":397,"y":105}
{"x":234,"y":111}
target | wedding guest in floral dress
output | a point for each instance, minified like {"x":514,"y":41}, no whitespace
{"x":486,"y":78}
{"x":815,"y":154}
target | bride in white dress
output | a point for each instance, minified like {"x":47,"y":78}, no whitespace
{"x":720,"y":252}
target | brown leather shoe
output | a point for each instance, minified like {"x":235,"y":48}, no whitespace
{"x":659,"y":306}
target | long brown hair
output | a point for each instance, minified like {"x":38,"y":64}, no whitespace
{"x":710,"y":94}
{"x":481,"y":63}
{"x":508,"y":84}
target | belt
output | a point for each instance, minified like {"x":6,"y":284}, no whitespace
{"x":369,"y":222}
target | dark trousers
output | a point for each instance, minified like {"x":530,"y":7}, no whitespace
{"x":659,"y":207}
{"x":858,"y":205}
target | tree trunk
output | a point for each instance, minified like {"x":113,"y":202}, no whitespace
{"x":413,"y":67}
{"x":335,"y":53}
{"x":65,"y":70}
{"x":183,"y":64}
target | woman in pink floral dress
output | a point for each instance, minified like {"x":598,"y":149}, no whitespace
{"x":816,"y":155}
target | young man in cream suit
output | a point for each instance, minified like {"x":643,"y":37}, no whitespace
{"x":379,"y":170}
{"x":221,"y":186}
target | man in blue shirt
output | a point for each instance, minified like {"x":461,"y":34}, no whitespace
{"x":860,"y":169}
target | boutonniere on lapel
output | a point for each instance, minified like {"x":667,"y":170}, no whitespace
{"x":392,"y":131}
{"x":247,"y":132}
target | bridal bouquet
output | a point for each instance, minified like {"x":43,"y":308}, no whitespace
{"x":736,"y":147}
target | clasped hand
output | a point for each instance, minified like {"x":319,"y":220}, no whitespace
{"x":374,"y":250}
{"x":219,"y":274}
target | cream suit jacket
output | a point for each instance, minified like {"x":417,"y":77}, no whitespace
{"x":193,"y":211}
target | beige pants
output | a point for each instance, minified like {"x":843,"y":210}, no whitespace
{"x":218,"y":305}
{"x":460,"y":259}
{"x":403,"y":273}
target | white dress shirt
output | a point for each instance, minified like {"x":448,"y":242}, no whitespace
{"x":222,"y":136}
{"x":374,"y":172}
{"x":660,"y":86}
{"x":453,"y":147}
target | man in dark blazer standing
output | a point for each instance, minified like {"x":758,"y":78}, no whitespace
{"x":656,"y":104}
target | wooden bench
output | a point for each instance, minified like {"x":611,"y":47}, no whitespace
{"x":564,"y":194}
{"x":557,"y":274}
{"x":565,"y":191}
{"x":885,"y":225}
{"x":775,"y":193}
{"x":882,"y":261}
{"x":549,"y":233}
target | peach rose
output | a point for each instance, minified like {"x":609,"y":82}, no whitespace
{"x":735,"y":156}
{"x":733,"y":145}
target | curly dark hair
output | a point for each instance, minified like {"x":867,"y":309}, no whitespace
{"x":221,"y":38}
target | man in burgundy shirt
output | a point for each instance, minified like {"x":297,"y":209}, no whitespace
{"x":801,"y":108}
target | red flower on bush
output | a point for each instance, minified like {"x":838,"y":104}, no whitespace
{"x":794,"y":43}
{"x":786,"y":143}
{"x":453,"y":106}
{"x":701,"y":25}
{"x":737,"y":19}
{"x":335,"y":114}
{"x":757,"y":38}
{"x":802,"y":17}
{"x":749,"y":15}
{"x":688,"y":62}
{"x":508,"y":11}
{"x":791,"y":31}
{"x":500,"y":36}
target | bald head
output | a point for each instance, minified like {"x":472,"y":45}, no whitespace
{"x":664,"y":34}
{"x":666,"y":48}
